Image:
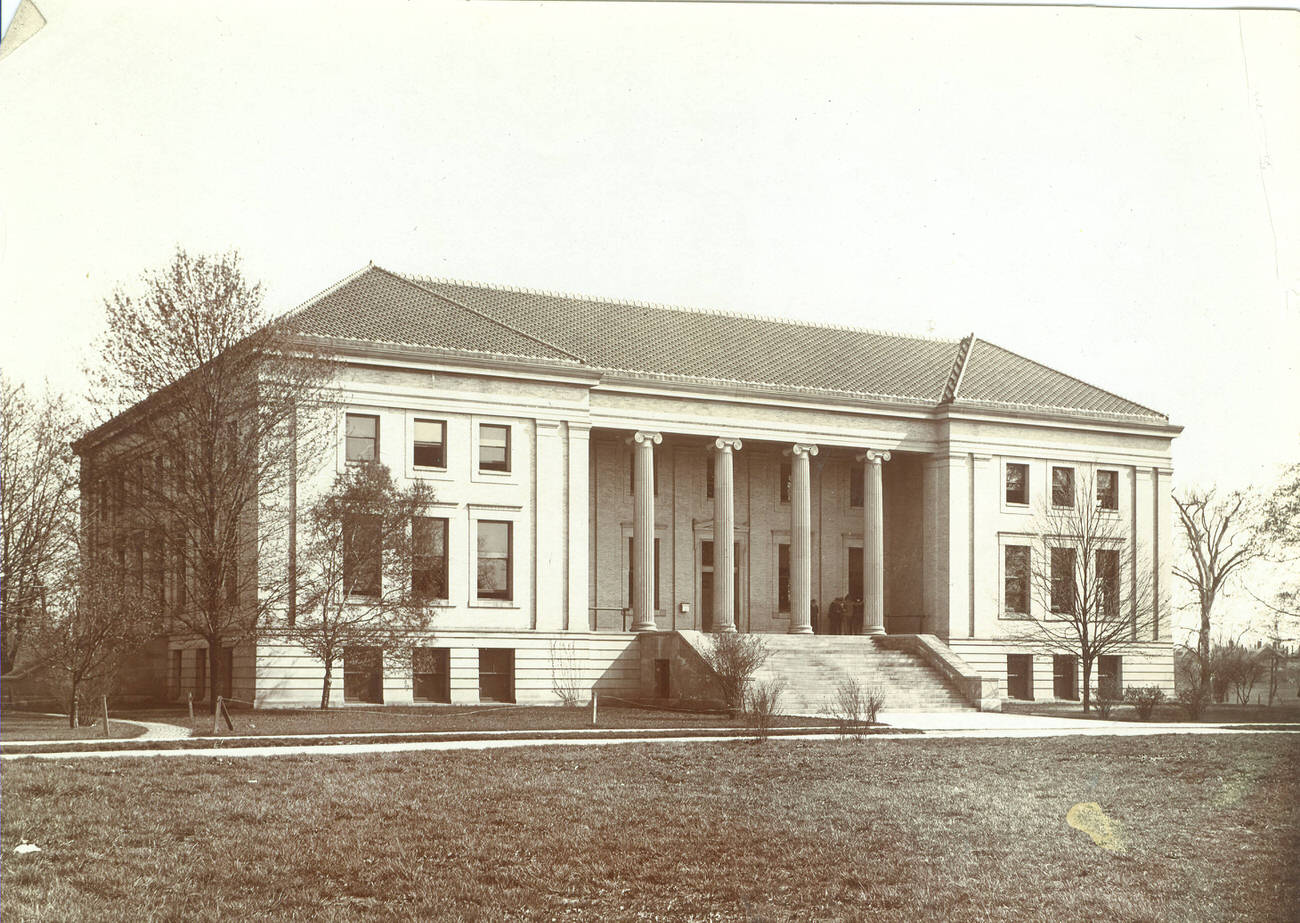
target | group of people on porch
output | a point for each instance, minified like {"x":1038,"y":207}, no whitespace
{"x":843,"y":617}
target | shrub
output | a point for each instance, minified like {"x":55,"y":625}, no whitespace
{"x":855,"y":706}
{"x":734,"y":658}
{"x":1144,"y":699}
{"x":1104,"y":703}
{"x":875,"y":702}
{"x":761,"y":707}
{"x":566,"y":673}
{"x":1193,"y":701}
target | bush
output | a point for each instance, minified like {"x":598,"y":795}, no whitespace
{"x":1193,"y":701}
{"x":855,"y":706}
{"x":734,"y":658}
{"x":1144,"y":699}
{"x":566,"y":673}
{"x":761,"y":707}
{"x":1104,"y":703}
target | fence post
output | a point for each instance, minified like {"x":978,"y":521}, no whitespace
{"x":593,"y":708}
{"x":104,"y":700}
{"x":216,"y":716}
{"x":189,"y":697}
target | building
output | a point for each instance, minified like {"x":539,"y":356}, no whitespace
{"x":600,"y":466}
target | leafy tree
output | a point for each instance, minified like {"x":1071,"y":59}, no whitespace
{"x":213,"y":412}
{"x":38,"y":505}
{"x":1085,"y":598}
{"x":361,"y":577}
{"x":1220,"y":540}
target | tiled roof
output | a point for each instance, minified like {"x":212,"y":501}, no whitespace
{"x":709,"y":346}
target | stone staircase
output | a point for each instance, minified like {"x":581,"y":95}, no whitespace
{"x":811,"y":667}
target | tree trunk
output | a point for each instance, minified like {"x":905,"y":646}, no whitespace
{"x":325,"y":688}
{"x":1087,"y":686}
{"x":1203,"y":647}
{"x":214,"y":682}
{"x":73,"y":716}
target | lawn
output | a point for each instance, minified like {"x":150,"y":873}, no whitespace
{"x":1203,"y":829}
{"x":408,"y":720}
{"x":26,"y":726}
{"x":1224,"y":713}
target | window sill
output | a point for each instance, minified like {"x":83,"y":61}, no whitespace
{"x":477,"y":603}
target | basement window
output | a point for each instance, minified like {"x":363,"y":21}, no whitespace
{"x":431,"y":674}
{"x":496,"y":674}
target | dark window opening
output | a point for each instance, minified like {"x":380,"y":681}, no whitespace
{"x":429,"y":558}
{"x":1018,"y":483}
{"x":430,"y":449}
{"x":1108,"y":490}
{"x":1063,"y":487}
{"x":494,"y":559}
{"x":857,"y":486}
{"x":1016,"y":579}
{"x":363,"y":674}
{"x":431,"y":674}
{"x":493,"y":447}
{"x":709,"y":475}
{"x":496,"y":674}
{"x":1108,"y":582}
{"x":1020,"y":676}
{"x":362,"y":437}
{"x":1063,"y":582}
{"x":785,"y":482}
{"x":1110,"y":675}
{"x":783,"y":577}
{"x":1065,"y":677}
{"x":363,"y":555}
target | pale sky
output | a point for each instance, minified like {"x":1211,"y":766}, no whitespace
{"x":1115,"y":193}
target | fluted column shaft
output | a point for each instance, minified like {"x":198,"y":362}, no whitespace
{"x":801,"y":539}
{"x":873,"y":543}
{"x":643,"y":532}
{"x":724,"y":536}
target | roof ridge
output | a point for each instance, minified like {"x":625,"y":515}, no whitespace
{"x":717,"y":312}
{"x":953,"y":385}
{"x":1075,"y":378}
{"x":326,"y":291}
{"x":416,"y":283}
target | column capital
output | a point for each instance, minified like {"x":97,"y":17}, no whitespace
{"x":726,"y":444}
{"x":874,"y":456}
{"x":802,"y":448}
{"x":644,"y":437}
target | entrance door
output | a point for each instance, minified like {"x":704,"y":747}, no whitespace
{"x":706,"y":586}
{"x":1020,"y":676}
{"x":1065,"y":673}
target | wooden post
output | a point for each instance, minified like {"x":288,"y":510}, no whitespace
{"x":593,"y":708}
{"x":216,"y":716}
{"x":189,"y":696}
{"x":104,"y":700}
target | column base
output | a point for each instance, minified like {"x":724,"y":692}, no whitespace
{"x":806,"y":630}
{"x":644,"y":626}
{"x":874,"y":630}
{"x":723,"y":630}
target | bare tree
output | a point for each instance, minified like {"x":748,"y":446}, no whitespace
{"x":96,"y":616}
{"x":38,"y":498}
{"x":367,"y":571}
{"x":1080,"y":592}
{"x":1280,"y":516}
{"x":211,"y":419}
{"x":1220,"y":540}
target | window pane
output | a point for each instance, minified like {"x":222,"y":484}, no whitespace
{"x":1063,"y":583}
{"x":1017,"y":483}
{"x":362,"y":555}
{"x":783,"y":578}
{"x":1017,"y":579}
{"x":493,"y":447}
{"x":1063,"y":487}
{"x":362,"y":437}
{"x":430,"y":438}
{"x":493,"y":560}
{"x":429,"y":558}
{"x":1108,"y":490}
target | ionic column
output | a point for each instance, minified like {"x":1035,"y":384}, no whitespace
{"x":724,"y":536}
{"x":801,"y":539}
{"x":873,"y":544}
{"x":643,"y":532}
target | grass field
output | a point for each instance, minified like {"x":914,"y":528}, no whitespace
{"x":23,"y":726}
{"x":1224,"y":713}
{"x":398,"y":719}
{"x":1204,"y":829}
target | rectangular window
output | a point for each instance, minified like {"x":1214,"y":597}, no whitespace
{"x":709,"y":475}
{"x":494,"y":564}
{"x":1018,"y":483}
{"x":631,"y":568}
{"x":1110,"y":675}
{"x":362,"y":437}
{"x":363,"y":674}
{"x":1063,"y":487}
{"x":1108,"y":490}
{"x":200,"y":673}
{"x":1108,"y":582}
{"x":430,"y":450}
{"x":1020,"y":676}
{"x":1065,"y":677}
{"x":493,"y":447}
{"x":362,"y":556}
{"x":783,"y":577}
{"x":857,"y":486}
{"x":429,"y":558}
{"x":431,"y":674}
{"x":178,"y":665}
{"x":1016,"y":579}
{"x":785,"y":482}
{"x":496,"y":674}
{"x":1063,"y":582}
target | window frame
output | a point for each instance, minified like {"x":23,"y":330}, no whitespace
{"x":347,"y":438}
{"x":376,"y":677}
{"x":416,"y":443}
{"x":506,"y":595}
{"x":1073,"y":560}
{"x":445,"y":557}
{"x":349,"y":560}
{"x":1005,"y":612}
{"x":783,"y":589}
{"x":506,"y":654}
{"x":509,"y":448}
{"x":440,"y":661}
{"x":1115,"y":490}
{"x":1007,"y":502}
{"x":1070,"y":499}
